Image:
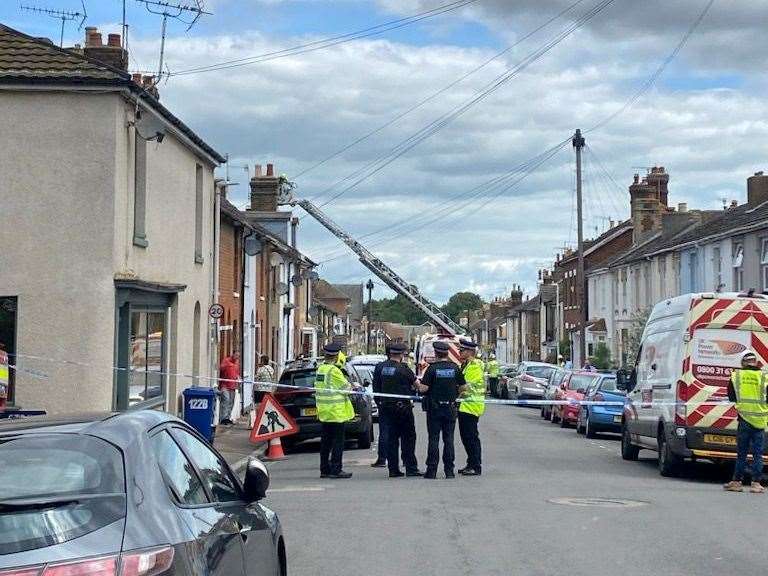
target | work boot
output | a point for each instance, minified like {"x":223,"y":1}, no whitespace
{"x":379,"y":463}
{"x":340,"y":475}
{"x":413,"y":473}
{"x":396,"y":474}
{"x":449,"y":474}
{"x":469,"y":472}
{"x":757,"y":488}
{"x":462,"y":471}
{"x":430,"y":474}
{"x":734,"y":486}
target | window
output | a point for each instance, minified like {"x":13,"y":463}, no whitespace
{"x":198,"y":214}
{"x":147,"y":381}
{"x":738,"y":266}
{"x":717,"y":268}
{"x":178,"y":471}
{"x":8,"y":344}
{"x":648,"y":284}
{"x":215,"y":473}
{"x":764,"y":262}
{"x":623,"y":281}
{"x":693,"y":270}
{"x":662,"y":276}
{"x":636,"y":274}
{"x":140,"y":192}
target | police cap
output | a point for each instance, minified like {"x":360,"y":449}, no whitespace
{"x":332,"y":348}
{"x":441,"y":346}
{"x":467,"y":344}
{"x":398,"y":347}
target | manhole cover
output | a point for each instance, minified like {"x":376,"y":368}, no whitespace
{"x":598,"y":502}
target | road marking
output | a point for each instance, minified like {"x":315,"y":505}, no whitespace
{"x":297,"y":489}
{"x":598,"y":502}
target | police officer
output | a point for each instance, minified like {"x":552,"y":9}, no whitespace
{"x":383,"y":444}
{"x":394,"y":377}
{"x":471,"y":407}
{"x":334,"y":408}
{"x":440,"y":385}
{"x":492,"y":369}
{"x":749,"y":390}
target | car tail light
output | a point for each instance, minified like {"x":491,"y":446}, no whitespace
{"x":681,"y":407}
{"x":140,"y":563}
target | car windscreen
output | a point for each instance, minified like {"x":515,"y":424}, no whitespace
{"x":57,"y":487}
{"x":608,"y":385}
{"x":365,"y":372}
{"x":305,"y":379}
{"x":580,"y":381}
{"x":540,"y":371}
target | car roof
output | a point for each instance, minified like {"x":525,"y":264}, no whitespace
{"x":109,"y":425}
{"x":370,"y":359}
{"x":527,"y":363}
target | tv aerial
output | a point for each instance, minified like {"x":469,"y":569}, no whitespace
{"x":175,"y":11}
{"x":63,"y":15}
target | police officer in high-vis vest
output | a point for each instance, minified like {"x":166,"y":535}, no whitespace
{"x":492,"y":369}
{"x":749,"y":390}
{"x":471,"y":407}
{"x":334,"y":408}
{"x":440,"y":385}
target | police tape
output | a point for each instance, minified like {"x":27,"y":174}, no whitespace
{"x":272,"y":387}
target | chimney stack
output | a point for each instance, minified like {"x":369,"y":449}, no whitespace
{"x":682,"y":207}
{"x":757,"y":189}
{"x":659,"y":179}
{"x":264,"y":190}
{"x":110,"y":54}
{"x":648,"y":200}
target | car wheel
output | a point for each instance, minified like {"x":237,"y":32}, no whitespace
{"x":628,"y":450}
{"x":669,"y":463}
{"x":589,"y":431}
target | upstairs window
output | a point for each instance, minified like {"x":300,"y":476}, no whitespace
{"x":738,"y":266}
{"x":140,"y":192}
{"x":717,"y":268}
{"x":764,"y":262}
{"x":198,"y":214}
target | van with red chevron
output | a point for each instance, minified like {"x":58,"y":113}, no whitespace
{"x":677,"y":391}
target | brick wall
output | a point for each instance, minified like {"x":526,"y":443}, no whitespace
{"x":230,"y":285}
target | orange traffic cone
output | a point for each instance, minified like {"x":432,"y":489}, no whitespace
{"x":275,"y":450}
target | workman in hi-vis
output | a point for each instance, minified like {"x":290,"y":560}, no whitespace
{"x":472,"y":406}
{"x":749,"y":390}
{"x":492,"y":369}
{"x":334,"y":408}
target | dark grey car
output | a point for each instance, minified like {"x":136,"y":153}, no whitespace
{"x":132,"y":494}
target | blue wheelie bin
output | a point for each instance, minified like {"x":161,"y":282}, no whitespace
{"x":199,"y":408}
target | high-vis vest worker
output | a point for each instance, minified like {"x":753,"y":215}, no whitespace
{"x":472,"y":401}
{"x":4,"y":375}
{"x":493,"y":368}
{"x":341,"y":360}
{"x":332,"y":405}
{"x":750,"y":388}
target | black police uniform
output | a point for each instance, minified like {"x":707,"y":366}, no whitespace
{"x":392,"y":377}
{"x":443,"y":379}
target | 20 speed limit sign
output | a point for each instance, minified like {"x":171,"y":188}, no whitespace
{"x":216,"y":311}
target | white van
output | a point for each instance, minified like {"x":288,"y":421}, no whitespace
{"x":677,"y":400}
{"x":425,"y":352}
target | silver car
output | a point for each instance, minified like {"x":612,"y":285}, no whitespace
{"x":531,"y":380}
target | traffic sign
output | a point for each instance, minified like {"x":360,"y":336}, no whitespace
{"x":272,"y":421}
{"x":216,"y":311}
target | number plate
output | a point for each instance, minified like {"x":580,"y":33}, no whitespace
{"x":720,"y":439}
{"x":309,"y":411}
{"x":617,"y":419}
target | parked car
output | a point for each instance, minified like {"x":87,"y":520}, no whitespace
{"x":299,"y":401}
{"x":529,"y":381}
{"x":572,"y":390}
{"x":593,"y":419}
{"x":677,"y":399}
{"x":505,"y":374}
{"x":549,"y":392}
{"x":137,"y":493}
{"x":364,"y":365}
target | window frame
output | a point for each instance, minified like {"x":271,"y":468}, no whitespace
{"x":162,"y":397}
{"x":764,"y":261}
{"x":717,"y":267}
{"x":11,"y":351}
{"x":140,"y":191}
{"x":199,"y":213}
{"x":738,"y":266}
{"x":164,"y":429}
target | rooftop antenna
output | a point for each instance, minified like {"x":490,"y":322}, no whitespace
{"x":173,"y":10}
{"x":63,"y":15}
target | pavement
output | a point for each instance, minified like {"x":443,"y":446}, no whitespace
{"x":234,"y":445}
{"x":519,"y":517}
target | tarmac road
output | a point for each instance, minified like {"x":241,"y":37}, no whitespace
{"x":505,"y":522}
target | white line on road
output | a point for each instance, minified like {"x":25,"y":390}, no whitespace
{"x":297,"y":489}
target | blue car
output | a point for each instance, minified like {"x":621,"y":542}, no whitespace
{"x":594,"y":419}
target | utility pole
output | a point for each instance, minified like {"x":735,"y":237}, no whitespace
{"x":369,"y":287}
{"x":578,"y":144}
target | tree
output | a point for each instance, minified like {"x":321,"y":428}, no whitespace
{"x":398,"y":310}
{"x":565,"y":348}
{"x":632,"y":345}
{"x":602,"y":357}
{"x":459,"y":303}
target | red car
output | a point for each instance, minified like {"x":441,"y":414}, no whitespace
{"x":572,"y":390}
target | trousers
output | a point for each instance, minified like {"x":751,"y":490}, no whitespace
{"x":331,"y":447}
{"x":383,"y":445}
{"x":226,"y":404}
{"x":441,"y":420}
{"x":747,"y":435}
{"x":470,"y":438}
{"x":402,"y":437}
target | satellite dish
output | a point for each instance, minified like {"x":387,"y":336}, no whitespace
{"x":253,"y":245}
{"x":282,"y":288}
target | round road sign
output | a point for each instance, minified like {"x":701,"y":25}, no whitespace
{"x":216,"y":311}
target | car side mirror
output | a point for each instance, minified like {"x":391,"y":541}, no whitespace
{"x":256,"y":480}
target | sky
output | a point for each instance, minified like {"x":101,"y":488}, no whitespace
{"x":471,"y":203}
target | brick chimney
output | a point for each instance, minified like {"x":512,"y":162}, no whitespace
{"x":111,"y":53}
{"x":647,"y":204}
{"x":757,"y":189}
{"x":265,"y":189}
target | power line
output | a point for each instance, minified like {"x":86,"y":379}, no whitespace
{"x":329,"y":42}
{"x":441,"y":122}
{"x":442,"y":90}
